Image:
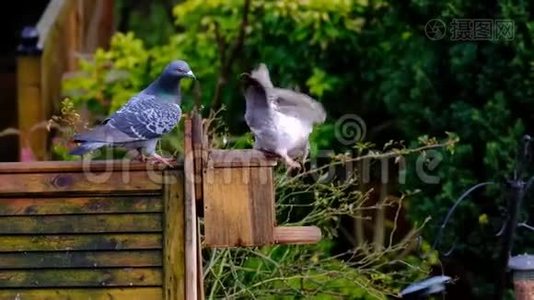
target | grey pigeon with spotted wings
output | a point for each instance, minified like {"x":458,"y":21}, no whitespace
{"x":281,"y":120}
{"x":144,"y":119}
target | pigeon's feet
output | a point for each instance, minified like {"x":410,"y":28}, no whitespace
{"x":160,"y":159}
{"x":270,"y":155}
{"x":302,"y":166}
{"x":291,"y":163}
{"x":141,"y":157}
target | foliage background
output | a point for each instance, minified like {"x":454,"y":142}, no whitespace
{"x":366,"y":57}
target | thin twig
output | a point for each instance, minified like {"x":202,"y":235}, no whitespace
{"x":227,"y":59}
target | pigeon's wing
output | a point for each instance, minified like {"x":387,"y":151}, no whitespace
{"x":103,"y":134}
{"x":257,"y":85}
{"x":145,"y":118}
{"x":298,"y":105}
{"x":261,"y":76}
{"x":256,"y":99}
{"x":141,"y":118}
{"x":285,"y":101}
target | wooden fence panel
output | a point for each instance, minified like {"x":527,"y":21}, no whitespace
{"x":67,"y":236}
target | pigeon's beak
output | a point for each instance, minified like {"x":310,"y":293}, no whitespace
{"x":190,"y":74}
{"x":245,"y":77}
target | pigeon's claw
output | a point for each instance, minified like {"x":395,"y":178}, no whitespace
{"x":160,"y":159}
{"x":302,"y":166}
{"x":291,"y":163}
{"x":270,"y":154}
{"x":141,"y":157}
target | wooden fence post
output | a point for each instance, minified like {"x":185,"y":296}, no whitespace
{"x":192,"y":263}
{"x":31,"y":115}
{"x":174,"y":244}
{"x":182,"y":259}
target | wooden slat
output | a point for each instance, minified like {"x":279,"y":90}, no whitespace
{"x":197,"y":151}
{"x":81,"y":224}
{"x":53,"y":13}
{"x":261,"y":198}
{"x":80,"y":166}
{"x":31,"y":111}
{"x":94,"y":183}
{"x":173,"y":251}
{"x":297,"y":235}
{"x":239,"y":158}
{"x":74,"y":242}
{"x":226,"y":223}
{"x":52,"y":40}
{"x":81,"y":277}
{"x":136,"y":293}
{"x":200,"y":268}
{"x":99,"y":259}
{"x":191,"y":274}
{"x":89,"y":205}
{"x":200,"y":151}
{"x":238,"y":207}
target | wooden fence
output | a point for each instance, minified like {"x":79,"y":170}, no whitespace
{"x":129,"y":230}
{"x":103,"y":231}
{"x":67,"y":30}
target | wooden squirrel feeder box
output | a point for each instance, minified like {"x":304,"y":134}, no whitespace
{"x":238,"y":195}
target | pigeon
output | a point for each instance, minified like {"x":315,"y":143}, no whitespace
{"x":143,"y":120}
{"x":280,"y":120}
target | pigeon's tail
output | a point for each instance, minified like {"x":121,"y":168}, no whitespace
{"x":261,"y":75}
{"x":86,"y":147}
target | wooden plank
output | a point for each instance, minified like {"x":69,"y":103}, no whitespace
{"x":68,"y":183}
{"x":173,"y":251}
{"x":88,"y":205}
{"x":150,"y":222}
{"x":200,"y":268}
{"x":99,"y":259}
{"x":75,"y":242}
{"x":54,"y":12}
{"x":81,"y":166}
{"x":191,"y":274}
{"x":297,"y":235}
{"x":69,"y":25}
{"x":136,"y":293}
{"x":239,"y":158}
{"x":261,"y":198}
{"x":31,"y":113}
{"x":81,"y":277}
{"x":227,"y":211}
{"x":238,"y":207}
{"x":196,"y":136}
{"x":106,"y":24}
{"x":55,"y":56}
